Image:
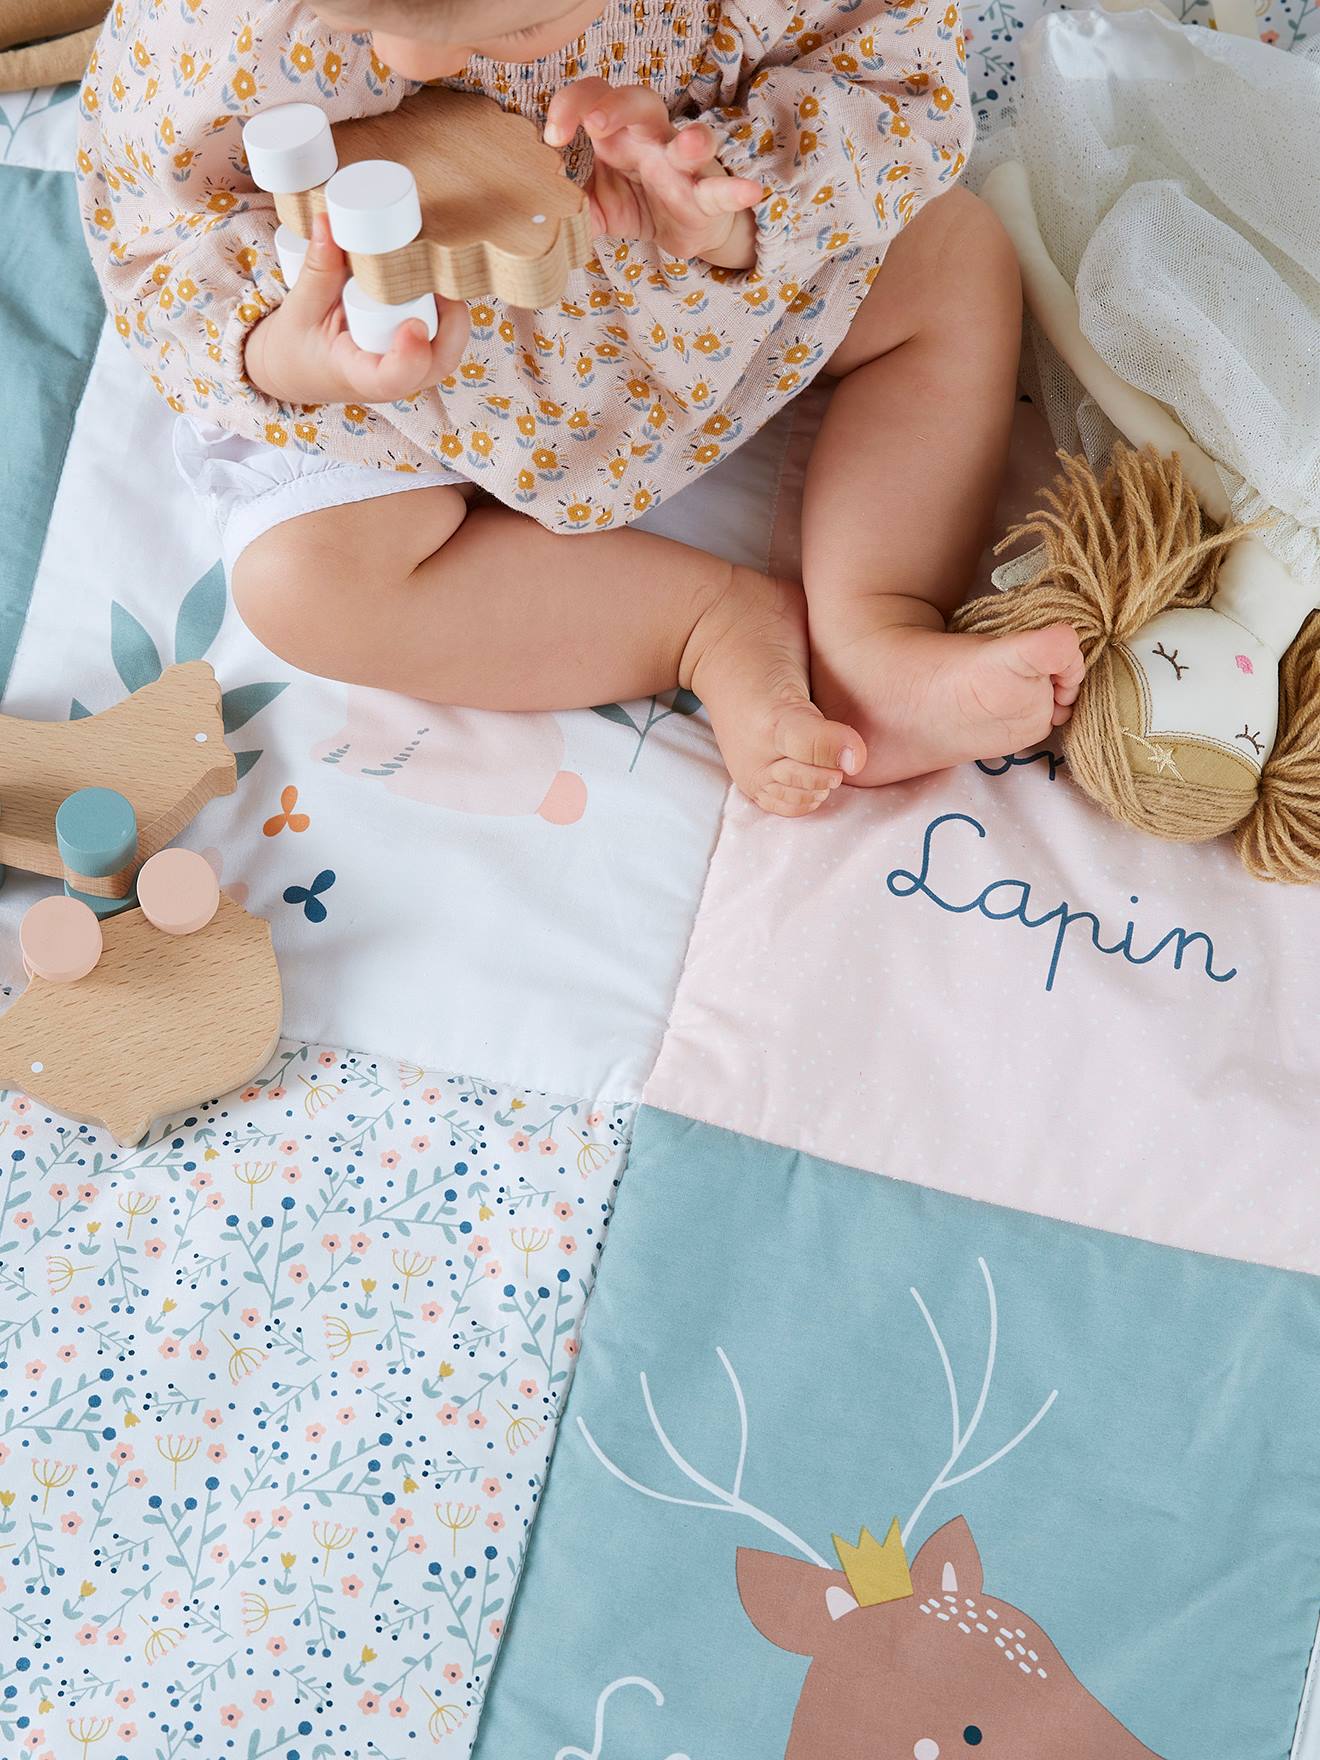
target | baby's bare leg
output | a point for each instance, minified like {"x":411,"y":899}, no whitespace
{"x":485,"y":608}
{"x":899,"y":500}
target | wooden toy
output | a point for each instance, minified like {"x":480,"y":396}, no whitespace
{"x":162,"y":749}
{"x":178,"y":892}
{"x":60,"y":939}
{"x":159,"y":1023}
{"x":449,"y":194}
{"x":96,"y":835}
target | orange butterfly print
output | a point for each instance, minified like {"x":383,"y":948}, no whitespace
{"x":287,"y":819}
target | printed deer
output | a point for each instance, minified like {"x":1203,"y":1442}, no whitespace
{"x":934,"y":1675}
{"x":914,"y":1662}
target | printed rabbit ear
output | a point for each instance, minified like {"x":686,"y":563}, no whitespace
{"x":791,"y":1602}
{"x":948,"y":1564}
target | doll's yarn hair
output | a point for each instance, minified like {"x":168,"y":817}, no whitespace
{"x":1117,"y":549}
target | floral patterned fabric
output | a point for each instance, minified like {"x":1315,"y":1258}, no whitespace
{"x":279,"y":1390}
{"x":852,"y":114}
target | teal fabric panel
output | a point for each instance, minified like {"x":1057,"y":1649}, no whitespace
{"x":50,"y":319}
{"x":1157,"y":1530}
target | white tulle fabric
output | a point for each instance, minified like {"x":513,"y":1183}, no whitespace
{"x":1176,"y":174}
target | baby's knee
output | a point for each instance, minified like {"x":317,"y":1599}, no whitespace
{"x":279,"y":584}
{"x":977,"y":262}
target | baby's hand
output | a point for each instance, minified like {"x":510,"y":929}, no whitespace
{"x":303,"y":353}
{"x":653,"y":181}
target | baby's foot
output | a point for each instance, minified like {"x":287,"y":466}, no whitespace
{"x":747,"y":661}
{"x":927,"y":700}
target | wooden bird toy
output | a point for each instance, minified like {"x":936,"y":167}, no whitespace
{"x":449,"y":195}
{"x":162,"y":750}
{"x":164,"y":1019}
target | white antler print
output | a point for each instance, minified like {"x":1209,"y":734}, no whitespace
{"x":603,"y":1699}
{"x":730,"y":1500}
{"x":945,"y":1479}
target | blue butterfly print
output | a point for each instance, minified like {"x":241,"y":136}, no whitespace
{"x":306,"y":896}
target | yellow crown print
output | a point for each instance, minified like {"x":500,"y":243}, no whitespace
{"x":875,"y":1573}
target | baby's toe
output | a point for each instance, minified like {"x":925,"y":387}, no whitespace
{"x":787,"y":801}
{"x":803,"y":734}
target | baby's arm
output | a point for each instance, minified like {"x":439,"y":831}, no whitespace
{"x":181,"y":241}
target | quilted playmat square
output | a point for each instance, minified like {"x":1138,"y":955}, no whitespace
{"x":852,"y":1467}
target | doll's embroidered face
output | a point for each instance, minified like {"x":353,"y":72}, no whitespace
{"x":435,"y":39}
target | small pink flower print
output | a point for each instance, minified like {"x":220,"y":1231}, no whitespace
{"x":121,"y":1453}
{"x":595,"y":1119}
{"x":59,"y":1192}
{"x":431,"y":1311}
{"x":359,"y":1370}
{"x":170,"y":1598}
{"x":24,"y":1217}
{"x":368,"y":1704}
{"x":70,"y":1524}
{"x":20,"y":1105}
{"x":571,"y":1347}
{"x":345,"y":1414}
{"x":292,"y":1175}
{"x":548,"y":1146}
{"x":4,"y":1453}
{"x":416,"y":1544}
{"x":519,"y":1142}
{"x":215,"y":1201}
{"x":398,"y":1708}
{"x":219,"y":1554}
{"x":127,"y":1731}
{"x":201,"y":1182}
{"x":401,"y":1519}
{"x":250,"y":1317}
{"x":274,"y":1093}
{"x":198,"y":1351}
{"x":169,"y":1347}
{"x":480,"y":1245}
{"x":35,"y":1369}
{"x":1270,"y":37}
{"x":315,"y":1432}
{"x":250,"y":1093}
{"x":125,"y":1697}
{"x":67,"y":1352}
{"x":327,"y":1060}
{"x":288,"y":1147}
{"x":276,"y":1646}
{"x":495,"y":1522}
{"x":496,"y":1629}
{"x":1243,"y":663}
{"x":476,"y":1420}
{"x":82,"y":1305}
{"x":263,"y":1700}
{"x":116,"y":1638}
{"x":331,"y":1242}
{"x":280,"y":1518}
{"x":352,"y":1586}
{"x":528,"y":1389}
{"x":137,"y":1478}
{"x":453,"y":1673}
{"x":360,"y":1242}
{"x":494,"y":1268}
{"x":563,"y":1211}
{"x":448,"y":1414}
{"x":568,"y":1245}
{"x":154,"y":1247}
{"x":491,"y":1487}
{"x":253,"y":1519}
{"x":216,"y":1451}
{"x":420,"y":1145}
{"x":86,"y":1634}
{"x":298,"y":1273}
{"x":230,"y":1715}
{"x":23,"y":1132}
{"x":390,"y":1159}
{"x":87,"y":1193}
{"x":213,"y":1418}
{"x":431,"y":1096}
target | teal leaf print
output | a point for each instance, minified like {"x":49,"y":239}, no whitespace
{"x":686,"y":702}
{"x":245,"y":761}
{"x":200,"y":615}
{"x":239,"y":706}
{"x":615,"y":712}
{"x":78,"y":711}
{"x":132,"y":650}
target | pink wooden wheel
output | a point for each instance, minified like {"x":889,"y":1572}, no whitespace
{"x":178,"y":891}
{"x":60,"y":939}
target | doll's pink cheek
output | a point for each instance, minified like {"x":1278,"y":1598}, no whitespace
{"x":178,"y":891}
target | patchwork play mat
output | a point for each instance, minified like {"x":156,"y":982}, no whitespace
{"x":956,"y":1148}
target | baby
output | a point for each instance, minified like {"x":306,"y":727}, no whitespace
{"x":774,"y":197}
